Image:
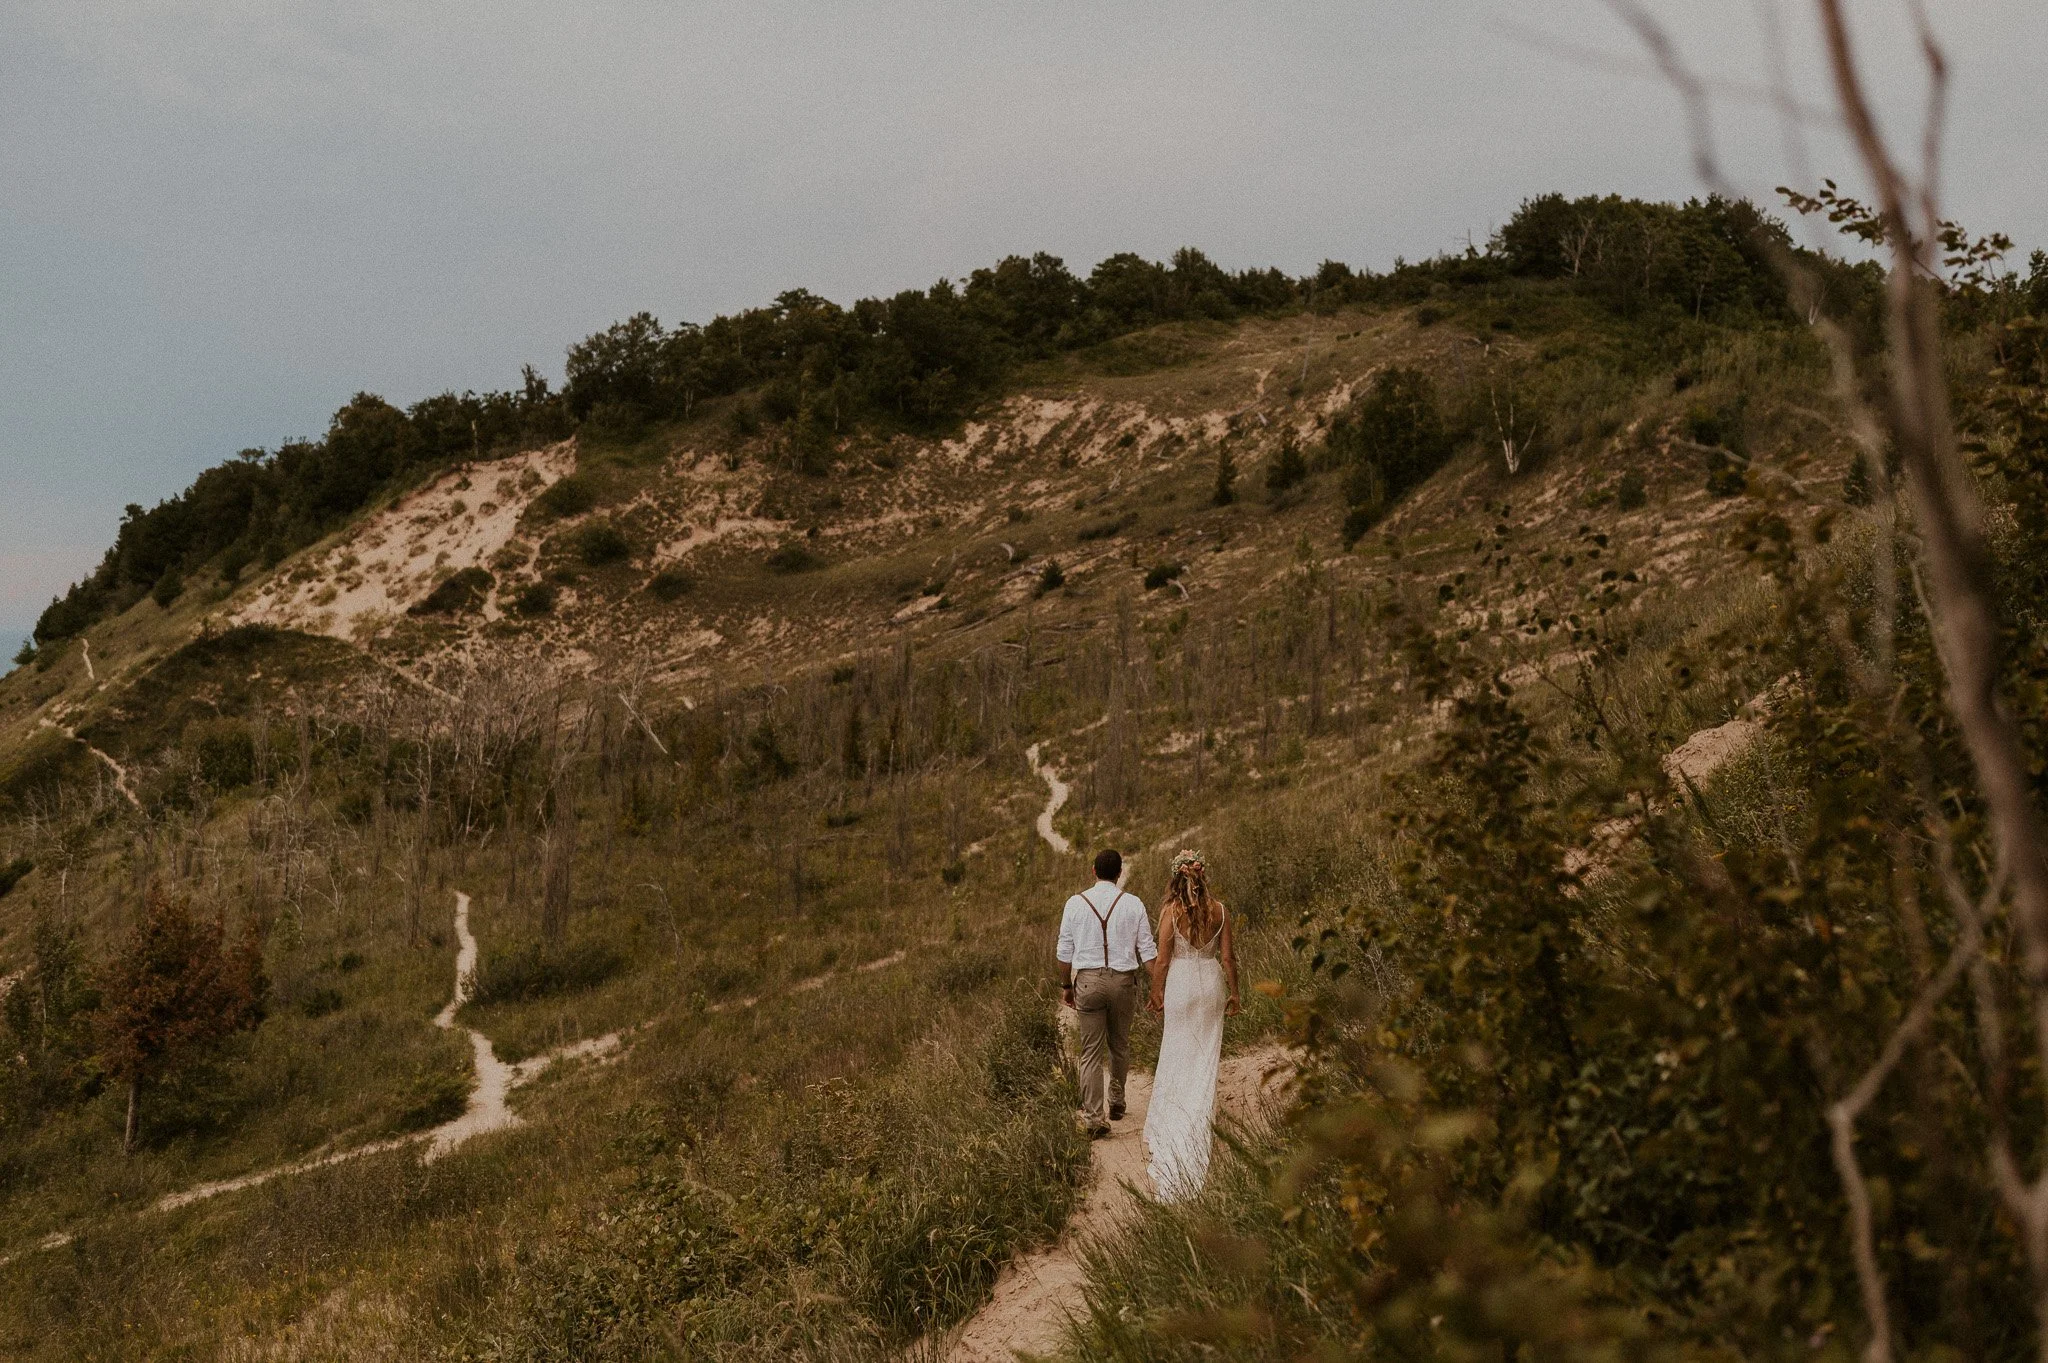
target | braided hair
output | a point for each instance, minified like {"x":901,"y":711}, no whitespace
{"x":1188,"y":887}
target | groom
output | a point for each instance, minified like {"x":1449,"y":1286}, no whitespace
{"x":1105,"y":940}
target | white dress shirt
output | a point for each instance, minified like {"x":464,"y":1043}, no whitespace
{"x":1100,"y":912}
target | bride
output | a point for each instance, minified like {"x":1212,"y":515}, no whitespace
{"x":1194,"y":983}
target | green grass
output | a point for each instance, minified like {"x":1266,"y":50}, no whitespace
{"x":843,"y":1165}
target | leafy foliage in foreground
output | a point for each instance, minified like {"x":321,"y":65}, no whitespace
{"x":1587,"y":1025}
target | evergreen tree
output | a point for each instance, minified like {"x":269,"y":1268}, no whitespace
{"x":1226,"y":479}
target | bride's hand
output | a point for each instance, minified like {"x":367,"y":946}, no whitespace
{"x":1232,"y":1008}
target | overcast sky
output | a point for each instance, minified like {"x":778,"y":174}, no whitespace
{"x":220,"y":218}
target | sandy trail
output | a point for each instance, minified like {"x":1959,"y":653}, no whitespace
{"x":1038,"y":1293}
{"x":1060,"y":790}
{"x":487,"y":1109}
{"x":120,"y":772}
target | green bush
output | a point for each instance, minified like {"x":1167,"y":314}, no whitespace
{"x":435,"y":1095}
{"x":1225,"y":490}
{"x":459,"y":593}
{"x":318,"y":1003}
{"x":1162,"y":574}
{"x":223,"y":750}
{"x":795,"y":557}
{"x":12,"y":872}
{"x":570,"y":496}
{"x":1630,"y":494}
{"x":1051,"y":577}
{"x":538,"y":971}
{"x":1288,"y":466}
{"x":671,"y":584}
{"x":535,"y":598}
{"x":600,"y":544}
{"x":1386,"y":442}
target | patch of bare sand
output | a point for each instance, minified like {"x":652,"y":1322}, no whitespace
{"x":352,"y":588}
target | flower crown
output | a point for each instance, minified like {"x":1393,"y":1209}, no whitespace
{"x":1187,"y":857}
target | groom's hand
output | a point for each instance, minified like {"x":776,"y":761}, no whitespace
{"x":1067,"y":995}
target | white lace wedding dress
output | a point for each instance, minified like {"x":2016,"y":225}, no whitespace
{"x":1177,"y":1125}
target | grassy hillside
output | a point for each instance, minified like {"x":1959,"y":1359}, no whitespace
{"x":726,"y":743}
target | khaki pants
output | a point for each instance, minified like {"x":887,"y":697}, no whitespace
{"x":1104,"y":1001}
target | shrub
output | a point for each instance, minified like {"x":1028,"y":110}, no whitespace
{"x":168,"y":589}
{"x":538,"y":971}
{"x":224,"y":751}
{"x":1287,"y":467}
{"x":963,"y":972}
{"x":320,"y":1002}
{"x":435,"y":1095}
{"x":1357,"y":522}
{"x":1630,"y":494}
{"x":11,"y":874}
{"x":535,"y":598}
{"x":1162,"y":574}
{"x":457,"y":594}
{"x":1051,"y":577}
{"x":26,"y":654}
{"x":671,"y":584}
{"x":1225,"y":491}
{"x":795,"y":557}
{"x":570,"y":496}
{"x":1104,"y":529}
{"x":600,"y":544}
{"x":1725,"y":477}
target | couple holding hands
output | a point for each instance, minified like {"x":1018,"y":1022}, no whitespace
{"x":1106,"y":939}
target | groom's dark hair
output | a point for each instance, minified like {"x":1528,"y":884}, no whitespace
{"x":1109,"y":864}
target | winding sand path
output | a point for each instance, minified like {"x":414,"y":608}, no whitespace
{"x":487,"y":1109}
{"x":120,"y":772}
{"x":1060,"y":790}
{"x":1038,"y":1293}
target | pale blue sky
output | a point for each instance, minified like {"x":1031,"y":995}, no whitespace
{"x":222,"y":217}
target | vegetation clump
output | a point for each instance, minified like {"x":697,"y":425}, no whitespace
{"x":459,"y":593}
{"x":671,"y":584}
{"x":179,"y":987}
{"x":795,"y":557}
{"x":1288,"y":466}
{"x":541,"y":970}
{"x":569,"y":496}
{"x":535,"y":598}
{"x":1386,"y":442}
{"x":600,"y":544}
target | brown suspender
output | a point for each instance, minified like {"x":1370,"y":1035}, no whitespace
{"x":1102,"y":920}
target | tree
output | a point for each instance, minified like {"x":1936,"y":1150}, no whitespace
{"x":1226,"y":479}
{"x":178,"y":988}
{"x":44,"y":1022}
{"x":1287,"y":467}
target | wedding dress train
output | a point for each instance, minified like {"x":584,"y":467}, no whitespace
{"x":1177,"y":1127}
